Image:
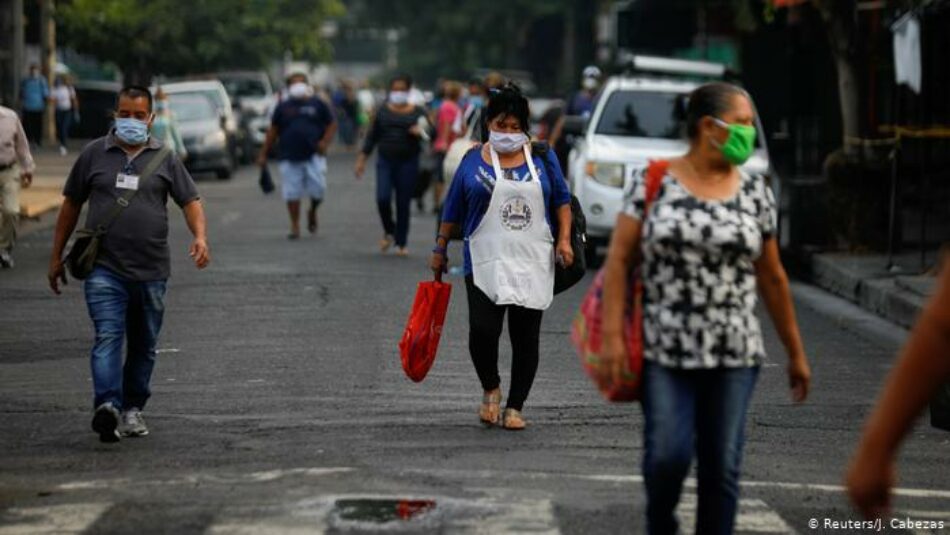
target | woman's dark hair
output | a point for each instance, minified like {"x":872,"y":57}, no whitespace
{"x":711,"y":99}
{"x":506,"y":101}
{"x":401,"y":78}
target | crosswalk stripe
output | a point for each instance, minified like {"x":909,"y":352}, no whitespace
{"x":52,"y":519}
{"x":251,"y":477}
{"x":753,"y":516}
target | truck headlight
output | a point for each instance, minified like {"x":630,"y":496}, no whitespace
{"x":216,"y":138}
{"x":608,"y":174}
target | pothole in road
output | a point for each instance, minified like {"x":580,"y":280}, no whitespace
{"x":379,"y":512}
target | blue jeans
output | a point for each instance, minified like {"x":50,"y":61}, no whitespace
{"x":694,"y":409}
{"x":123,"y":310}
{"x":398,"y":175}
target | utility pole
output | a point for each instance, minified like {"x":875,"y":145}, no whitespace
{"x":48,"y":59}
{"x":11,"y":51}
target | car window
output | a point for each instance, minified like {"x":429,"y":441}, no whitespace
{"x":244,"y":87}
{"x":192,"y":107}
{"x":643,"y":114}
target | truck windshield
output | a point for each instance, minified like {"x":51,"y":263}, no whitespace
{"x":643,"y":114}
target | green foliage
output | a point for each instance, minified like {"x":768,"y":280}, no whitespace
{"x":174,"y":37}
{"x":451,"y":38}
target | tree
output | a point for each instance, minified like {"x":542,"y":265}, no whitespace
{"x":452,"y":38}
{"x":841,"y":23}
{"x":175,"y":37}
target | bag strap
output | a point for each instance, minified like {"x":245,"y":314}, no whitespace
{"x":123,"y":201}
{"x":656,"y":170}
{"x":655,"y":173}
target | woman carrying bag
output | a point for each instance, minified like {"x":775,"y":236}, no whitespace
{"x":705,"y":244}
{"x":507,"y":203}
{"x":398,"y":129}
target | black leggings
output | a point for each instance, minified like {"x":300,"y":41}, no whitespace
{"x":485,"y":321}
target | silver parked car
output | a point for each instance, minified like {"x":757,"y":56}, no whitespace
{"x":203,"y":133}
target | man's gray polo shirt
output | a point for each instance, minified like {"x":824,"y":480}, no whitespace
{"x":136,"y":246}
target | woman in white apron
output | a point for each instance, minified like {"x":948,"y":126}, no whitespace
{"x":508,"y":202}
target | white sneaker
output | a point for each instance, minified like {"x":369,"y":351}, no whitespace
{"x":133,"y":424}
{"x":63,"y":151}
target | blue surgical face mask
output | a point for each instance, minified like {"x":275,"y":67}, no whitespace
{"x":476,"y":100}
{"x":131,"y":131}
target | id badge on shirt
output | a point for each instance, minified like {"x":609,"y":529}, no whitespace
{"x":124,"y":181}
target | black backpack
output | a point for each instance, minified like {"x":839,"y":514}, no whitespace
{"x":566,"y":277}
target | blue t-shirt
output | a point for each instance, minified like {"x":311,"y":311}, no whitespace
{"x":471,"y":190}
{"x":34,"y":93}
{"x":300,"y":125}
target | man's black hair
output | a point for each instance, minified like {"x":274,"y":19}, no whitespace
{"x":298,"y":74}
{"x":507,"y":101}
{"x":134,"y":92}
{"x":401,"y":78}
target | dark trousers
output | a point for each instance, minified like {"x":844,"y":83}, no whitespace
{"x":686,"y":411}
{"x":33,"y":125}
{"x":399,"y":176}
{"x":64,"y":121}
{"x":485,"y":321}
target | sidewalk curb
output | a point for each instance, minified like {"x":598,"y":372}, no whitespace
{"x":880,"y":293}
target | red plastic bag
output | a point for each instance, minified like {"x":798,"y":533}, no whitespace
{"x":588,"y":340}
{"x":420,"y":341}
{"x":586,"y":328}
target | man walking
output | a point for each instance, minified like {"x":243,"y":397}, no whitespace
{"x":34,"y":92}
{"x":125,"y":292}
{"x":16,"y":169}
{"x":303,"y":127}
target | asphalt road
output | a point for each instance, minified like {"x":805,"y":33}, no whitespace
{"x":279,"y":404}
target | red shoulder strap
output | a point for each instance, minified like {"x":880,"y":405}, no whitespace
{"x":655,"y":173}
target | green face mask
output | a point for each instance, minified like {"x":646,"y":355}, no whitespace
{"x":739,"y":145}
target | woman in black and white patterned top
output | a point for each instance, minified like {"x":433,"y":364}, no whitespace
{"x":705,"y":243}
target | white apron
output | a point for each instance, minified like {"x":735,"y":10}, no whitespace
{"x":512,"y":249}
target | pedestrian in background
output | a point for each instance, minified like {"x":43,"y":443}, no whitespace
{"x":303,"y":127}
{"x":165,"y":126}
{"x":446,"y":116}
{"x":67,"y":110}
{"x":580,"y":104}
{"x":34,"y":94}
{"x":125,"y":293}
{"x":704,"y":245}
{"x":16,"y":170}
{"x":397,"y":129}
{"x":471,"y":109}
{"x":922,"y":369}
{"x":347,"y":111}
{"x":507,"y":200}
{"x":367,"y":102}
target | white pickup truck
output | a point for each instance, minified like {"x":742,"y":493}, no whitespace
{"x":637,"y":118}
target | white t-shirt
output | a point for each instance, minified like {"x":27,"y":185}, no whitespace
{"x":63,"y":94}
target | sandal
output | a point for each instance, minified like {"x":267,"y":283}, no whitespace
{"x":489,"y":411}
{"x":513,"y":421}
{"x":385,"y":243}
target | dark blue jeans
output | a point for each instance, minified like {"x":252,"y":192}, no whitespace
{"x":64,"y":121}
{"x":694,"y":409}
{"x":123,"y":311}
{"x":399,"y":176}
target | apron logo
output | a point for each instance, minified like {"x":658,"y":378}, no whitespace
{"x":516,"y":214}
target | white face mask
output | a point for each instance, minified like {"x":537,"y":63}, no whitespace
{"x":590,"y":83}
{"x":506,"y":143}
{"x":399,"y":97}
{"x":299,"y":90}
